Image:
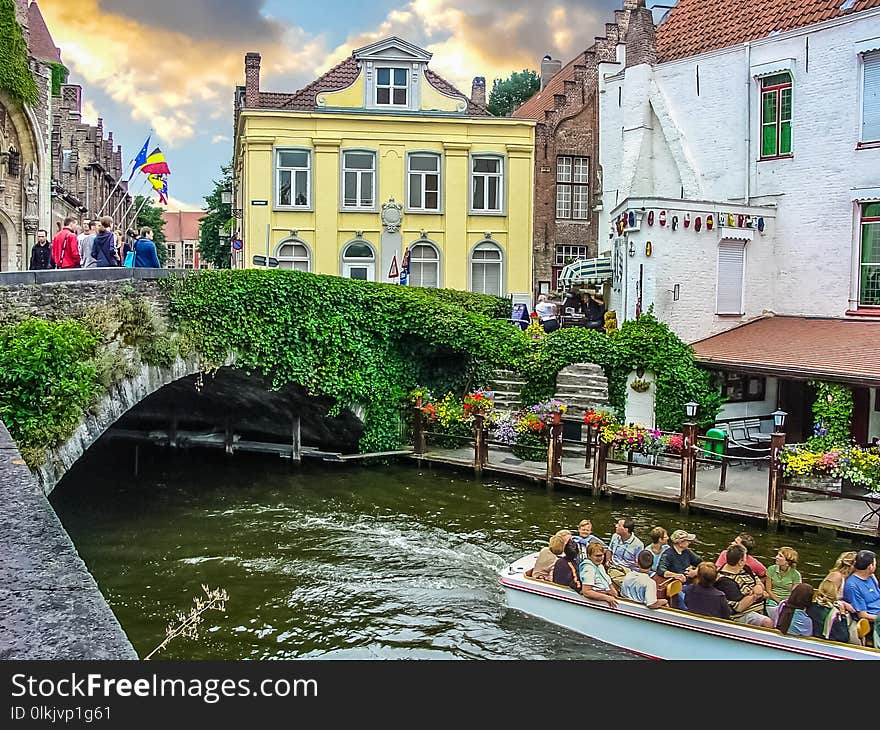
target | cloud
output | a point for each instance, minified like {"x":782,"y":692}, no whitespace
{"x":218,"y":138}
{"x":90,"y":112}
{"x":175,"y":205}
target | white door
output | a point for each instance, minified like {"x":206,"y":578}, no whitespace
{"x":359,"y":271}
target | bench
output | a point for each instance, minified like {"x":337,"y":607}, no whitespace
{"x":751,"y":432}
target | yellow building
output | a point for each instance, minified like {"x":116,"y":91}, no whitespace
{"x":378,"y":157}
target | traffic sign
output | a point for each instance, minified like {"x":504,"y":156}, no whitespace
{"x":261,"y":261}
{"x":237,"y":244}
{"x":393,"y":273}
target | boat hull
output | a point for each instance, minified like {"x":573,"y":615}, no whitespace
{"x":662,"y":633}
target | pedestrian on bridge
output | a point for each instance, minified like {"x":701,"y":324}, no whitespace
{"x":145,"y":251}
{"x":65,"y":247}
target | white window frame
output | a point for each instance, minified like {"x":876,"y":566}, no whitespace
{"x":729,"y":243}
{"x":423,"y":174}
{"x":373,"y":207}
{"x":863,"y":221}
{"x":484,"y":245}
{"x":874,"y":57}
{"x":347,"y":262}
{"x":294,"y":241}
{"x":437,"y":261}
{"x":171,"y":258}
{"x":575,"y":252}
{"x":391,"y":87}
{"x":502,"y":180}
{"x":567,"y":186}
{"x":308,"y":170}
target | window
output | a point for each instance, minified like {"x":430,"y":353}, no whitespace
{"x":358,"y":179}
{"x":776,"y":115}
{"x":293,"y":254}
{"x":487,"y":187}
{"x":573,"y":187}
{"x":171,"y":260}
{"x":731,"y":268}
{"x":871,"y":97}
{"x":391,"y":86}
{"x":486,"y":261}
{"x":424,"y":266}
{"x":359,"y":261}
{"x":741,"y":388}
{"x":423,"y":171}
{"x":869,"y":269}
{"x":567,"y":254}
{"x":294,"y":170}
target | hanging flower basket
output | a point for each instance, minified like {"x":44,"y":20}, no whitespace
{"x":640,"y":386}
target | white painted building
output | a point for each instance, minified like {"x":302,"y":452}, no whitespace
{"x":741,"y":176}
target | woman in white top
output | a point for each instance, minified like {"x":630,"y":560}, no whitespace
{"x":594,"y":578}
{"x":548,"y":313}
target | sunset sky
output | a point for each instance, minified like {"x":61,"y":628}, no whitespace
{"x":173,"y":64}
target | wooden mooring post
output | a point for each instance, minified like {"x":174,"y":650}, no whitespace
{"x":481,"y":445}
{"x":419,"y":445}
{"x":228,"y":440}
{"x":723,"y":486}
{"x":600,"y":467}
{"x":688,"y":466}
{"x":296,"y":441}
{"x":589,"y":446}
{"x":554,"y":450}
{"x":775,"y":491}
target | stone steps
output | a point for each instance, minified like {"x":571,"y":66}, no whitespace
{"x":582,"y":387}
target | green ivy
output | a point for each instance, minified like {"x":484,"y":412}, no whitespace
{"x":60,"y":74}
{"x":832,"y":416}
{"x":16,"y":78}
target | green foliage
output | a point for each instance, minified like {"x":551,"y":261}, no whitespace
{"x":47,"y":380}
{"x":358,"y":342}
{"x":509,"y":93}
{"x":832,"y":416}
{"x":131,"y":322}
{"x":59,"y":76}
{"x":151,"y":216}
{"x":646,"y":344}
{"x":15,"y":74}
{"x":488,"y":306}
{"x":216,"y":220}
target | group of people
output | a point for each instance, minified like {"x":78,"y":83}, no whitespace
{"x":587,"y":304}
{"x":736,"y":586}
{"x":93,"y":244}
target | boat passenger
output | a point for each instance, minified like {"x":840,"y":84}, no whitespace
{"x":596,"y":583}
{"x":792,"y":617}
{"x":862,"y":590}
{"x":679,"y":561}
{"x":659,"y":543}
{"x":566,"y":569}
{"x":781,"y":577}
{"x":842,"y":569}
{"x":639,"y":586}
{"x":584,"y":537}
{"x":748,"y":542}
{"x":830,"y":619}
{"x":744,"y":591}
{"x":703,"y":597}
{"x":623,"y":549}
{"x":547,"y":558}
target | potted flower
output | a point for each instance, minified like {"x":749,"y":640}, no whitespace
{"x":478,"y":403}
{"x":527,"y":430}
{"x":447,"y":421}
{"x":598,"y":419}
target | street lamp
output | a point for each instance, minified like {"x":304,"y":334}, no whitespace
{"x":779,"y":420}
{"x":226,"y":197}
{"x":690,"y":409}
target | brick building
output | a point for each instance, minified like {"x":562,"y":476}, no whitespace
{"x":568,"y":177}
{"x":51,"y":164}
{"x":182,"y":230}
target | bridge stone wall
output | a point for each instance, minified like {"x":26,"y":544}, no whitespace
{"x":50,"y":605}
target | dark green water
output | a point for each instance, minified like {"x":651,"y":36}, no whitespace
{"x":323,"y":562}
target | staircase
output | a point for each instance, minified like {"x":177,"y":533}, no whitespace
{"x":581,"y":387}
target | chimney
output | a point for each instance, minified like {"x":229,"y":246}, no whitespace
{"x":478,"y":90}
{"x":252,"y":80}
{"x":549,"y":68}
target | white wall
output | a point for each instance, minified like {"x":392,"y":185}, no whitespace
{"x":754,"y":408}
{"x":659,"y":135}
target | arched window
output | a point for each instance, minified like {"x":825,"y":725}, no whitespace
{"x":294,"y":254}
{"x":359,"y":261}
{"x":486,"y":268}
{"x":424,"y":265}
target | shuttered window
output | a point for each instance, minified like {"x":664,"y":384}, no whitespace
{"x":731,"y":268}
{"x":871,"y":97}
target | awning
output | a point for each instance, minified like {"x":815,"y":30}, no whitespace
{"x":839,"y":350}
{"x":586,"y":271}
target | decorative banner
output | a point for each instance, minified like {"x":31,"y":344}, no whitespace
{"x":761,"y":225}
{"x":662,"y":217}
{"x":649,"y":249}
{"x":632,"y":219}
{"x":698,"y":224}
{"x":740,"y":220}
{"x":687,"y":220}
{"x":650,"y":217}
{"x":674,"y":222}
{"x":710,"y":222}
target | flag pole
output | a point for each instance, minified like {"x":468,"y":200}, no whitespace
{"x":128,"y":210}
{"x":146,"y":199}
{"x":119,"y":181}
{"x":122,"y":202}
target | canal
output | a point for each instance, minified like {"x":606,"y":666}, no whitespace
{"x":330,"y":562}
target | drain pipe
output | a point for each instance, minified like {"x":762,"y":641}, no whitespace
{"x":748,"y":175}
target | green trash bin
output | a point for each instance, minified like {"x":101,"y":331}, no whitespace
{"x":716,"y":448}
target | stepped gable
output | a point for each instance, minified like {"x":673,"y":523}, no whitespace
{"x":697,"y":26}
{"x":543,"y":100}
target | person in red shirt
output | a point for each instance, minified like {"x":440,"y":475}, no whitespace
{"x":65,"y":247}
{"x":748,"y":542}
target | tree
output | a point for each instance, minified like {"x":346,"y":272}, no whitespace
{"x":151,"y":216}
{"x":509,"y":93}
{"x":218,"y":216}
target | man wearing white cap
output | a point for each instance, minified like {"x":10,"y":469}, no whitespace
{"x":679,"y":561}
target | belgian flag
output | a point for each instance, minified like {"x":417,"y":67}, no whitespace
{"x":156,"y":164}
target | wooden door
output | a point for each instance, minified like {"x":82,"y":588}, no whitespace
{"x":861,"y":414}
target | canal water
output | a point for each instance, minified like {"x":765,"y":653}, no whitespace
{"x":343,"y":562}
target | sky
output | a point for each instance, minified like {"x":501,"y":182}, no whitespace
{"x":171,"y":66}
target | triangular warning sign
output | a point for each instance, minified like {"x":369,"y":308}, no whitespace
{"x":393,"y":272}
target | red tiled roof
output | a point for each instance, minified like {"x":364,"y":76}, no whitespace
{"x":835,"y":349}
{"x":697,"y":26}
{"x":444,"y":87}
{"x":41,"y":44}
{"x":535,"y":107}
{"x":182,"y":225}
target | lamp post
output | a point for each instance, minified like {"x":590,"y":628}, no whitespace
{"x":776,"y":492}
{"x":226,"y":197}
{"x":688,"y":457}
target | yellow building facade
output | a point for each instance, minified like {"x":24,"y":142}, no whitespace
{"x":380,"y":158}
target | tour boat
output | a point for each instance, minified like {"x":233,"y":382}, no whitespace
{"x":664,"y":633}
